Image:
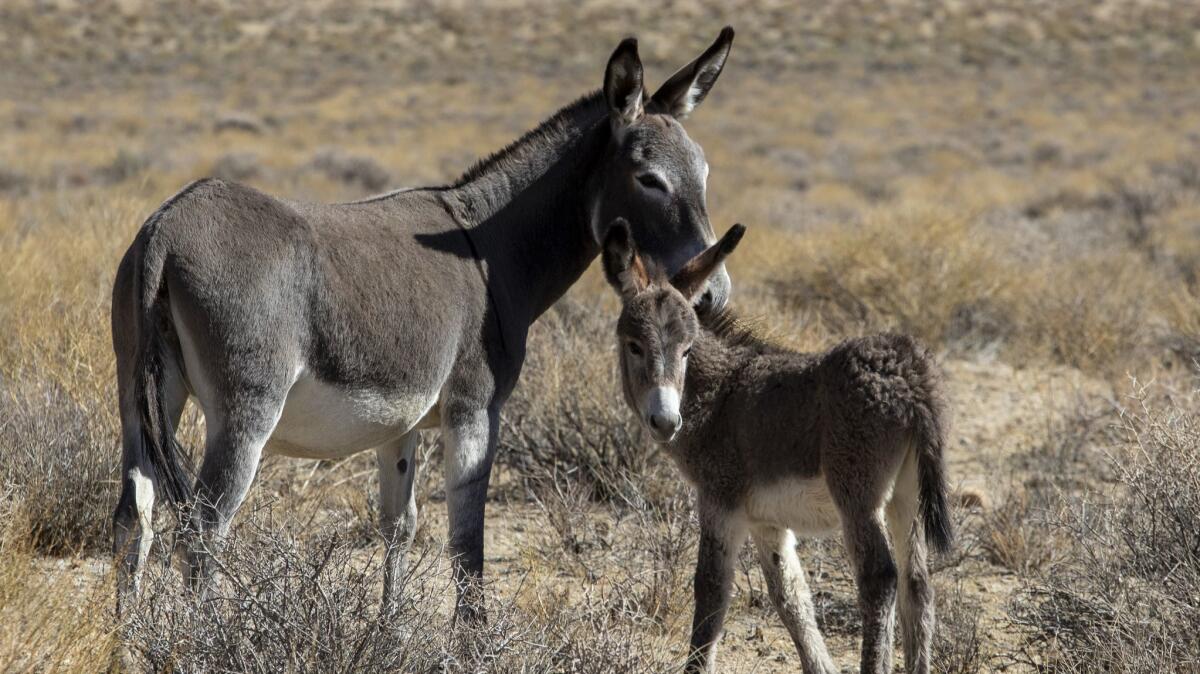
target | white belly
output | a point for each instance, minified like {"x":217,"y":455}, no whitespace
{"x":321,"y":421}
{"x":804,"y":506}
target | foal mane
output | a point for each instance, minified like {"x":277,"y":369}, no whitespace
{"x":726,"y":325}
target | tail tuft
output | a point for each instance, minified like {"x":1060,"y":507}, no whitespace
{"x":166,"y":455}
{"x":935,"y":512}
{"x":931,"y":468}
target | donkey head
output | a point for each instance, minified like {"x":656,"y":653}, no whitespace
{"x":654,"y":173}
{"x":658,"y":324}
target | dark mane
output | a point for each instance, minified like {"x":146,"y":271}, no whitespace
{"x":727,"y":326}
{"x":571,"y":119}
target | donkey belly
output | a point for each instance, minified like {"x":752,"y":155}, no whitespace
{"x":802,"y":505}
{"x":323,"y":421}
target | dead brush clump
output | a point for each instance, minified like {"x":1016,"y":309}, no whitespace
{"x":351,"y":169}
{"x":1015,"y":534}
{"x":565,"y":420}
{"x":959,"y":646}
{"x":306,"y":601}
{"x":1093,"y":313}
{"x":58,"y":455}
{"x":1125,"y":597}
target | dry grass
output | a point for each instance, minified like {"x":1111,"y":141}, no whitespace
{"x":1123,"y":597}
{"x":913,"y":167}
{"x":49,"y":621}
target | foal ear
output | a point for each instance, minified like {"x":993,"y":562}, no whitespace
{"x":622,"y":265}
{"x":680,"y":94}
{"x":623,"y":83}
{"x":692,"y":278}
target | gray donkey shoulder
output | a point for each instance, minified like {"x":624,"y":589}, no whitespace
{"x":776,"y":442}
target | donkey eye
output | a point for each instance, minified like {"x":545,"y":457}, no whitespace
{"x":634,"y":349}
{"x":687,"y":352}
{"x":651,"y":181}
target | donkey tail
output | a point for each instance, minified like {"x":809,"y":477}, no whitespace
{"x":931,"y":475}
{"x":167,"y":458}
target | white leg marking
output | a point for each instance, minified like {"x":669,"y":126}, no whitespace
{"x":143,"y":499}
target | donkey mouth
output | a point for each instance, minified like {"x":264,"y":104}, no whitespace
{"x":661,"y":437}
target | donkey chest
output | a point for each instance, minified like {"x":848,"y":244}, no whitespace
{"x":324,"y":421}
{"x":803,"y":505}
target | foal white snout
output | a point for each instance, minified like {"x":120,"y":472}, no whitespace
{"x":662,"y":412}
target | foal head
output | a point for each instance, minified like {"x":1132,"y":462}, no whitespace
{"x":658,"y":324}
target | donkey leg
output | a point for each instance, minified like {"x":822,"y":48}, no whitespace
{"x":232,"y":449}
{"x":721,"y":537}
{"x":133,"y":532}
{"x":470,"y":437}
{"x":789,"y":592}
{"x":398,"y":502}
{"x":875,"y":572}
{"x":915,"y":590}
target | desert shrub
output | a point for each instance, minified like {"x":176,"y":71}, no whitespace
{"x":237,"y":166}
{"x":349,"y":169}
{"x":1016,"y":536}
{"x":125,"y":165}
{"x":305,"y":601}
{"x":958,"y":644}
{"x":567,"y":419}
{"x":59,"y":455}
{"x":1124,"y":598}
{"x":930,"y":274}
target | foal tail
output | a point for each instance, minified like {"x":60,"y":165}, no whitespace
{"x":162,"y":451}
{"x":931,"y":474}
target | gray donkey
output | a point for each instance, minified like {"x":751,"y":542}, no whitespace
{"x":319,"y":331}
{"x":776,"y":441}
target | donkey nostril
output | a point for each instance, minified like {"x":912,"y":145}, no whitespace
{"x":664,"y":422}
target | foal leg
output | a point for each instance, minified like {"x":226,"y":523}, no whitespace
{"x":721,"y":537}
{"x":789,"y":592}
{"x":470,"y":436}
{"x":875,"y":571}
{"x":398,"y":502}
{"x":916,"y":592}
{"x":232,"y":449}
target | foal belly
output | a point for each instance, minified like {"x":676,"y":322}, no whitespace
{"x":322,"y":421}
{"x":804,"y":506}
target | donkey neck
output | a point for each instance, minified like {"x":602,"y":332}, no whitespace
{"x":525,"y":209}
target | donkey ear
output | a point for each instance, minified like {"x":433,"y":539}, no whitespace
{"x":692,"y":278}
{"x":623,"y":83}
{"x":622,"y":266}
{"x":685,"y":90}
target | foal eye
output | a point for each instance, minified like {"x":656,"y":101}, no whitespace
{"x":651,"y":181}
{"x":634,"y":349}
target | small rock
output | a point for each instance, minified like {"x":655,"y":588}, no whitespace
{"x":239,"y":121}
